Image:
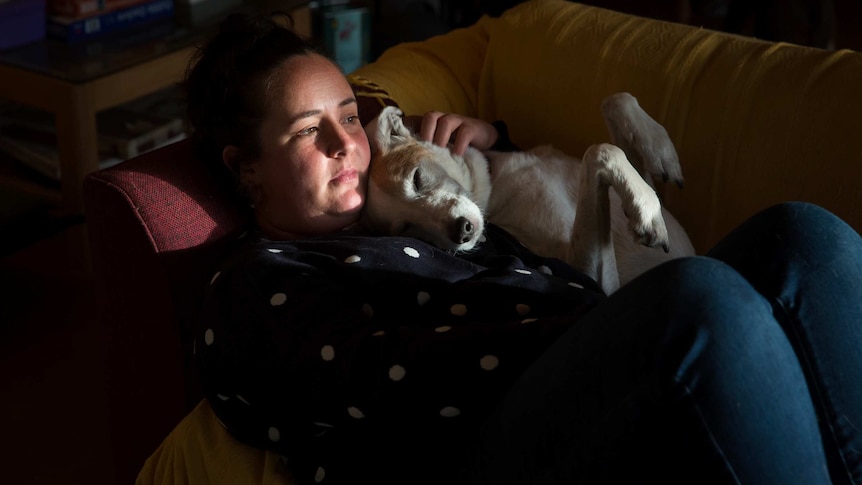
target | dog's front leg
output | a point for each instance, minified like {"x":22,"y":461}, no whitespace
{"x":591,"y":249}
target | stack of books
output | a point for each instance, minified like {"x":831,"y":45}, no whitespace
{"x":28,"y":135}
{"x":73,"y":20}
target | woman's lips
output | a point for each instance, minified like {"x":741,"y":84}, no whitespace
{"x":345,"y":176}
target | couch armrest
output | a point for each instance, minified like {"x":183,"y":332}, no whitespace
{"x":146,"y":371}
{"x":157,"y":225}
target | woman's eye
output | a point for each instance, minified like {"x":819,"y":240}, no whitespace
{"x":307,"y":131}
{"x":352,"y":119}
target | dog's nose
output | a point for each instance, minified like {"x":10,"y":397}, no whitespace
{"x":462,"y":230}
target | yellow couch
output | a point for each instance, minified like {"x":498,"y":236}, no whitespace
{"x":754,"y":123}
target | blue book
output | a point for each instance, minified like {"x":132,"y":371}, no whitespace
{"x":73,"y":29}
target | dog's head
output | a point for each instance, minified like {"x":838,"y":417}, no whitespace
{"x":420,"y":190}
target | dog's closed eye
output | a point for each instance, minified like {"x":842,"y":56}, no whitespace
{"x":418,"y":183}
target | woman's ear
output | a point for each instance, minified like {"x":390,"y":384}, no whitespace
{"x":244,"y":173}
{"x":230,"y":157}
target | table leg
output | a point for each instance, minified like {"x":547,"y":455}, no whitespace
{"x":77,"y":140}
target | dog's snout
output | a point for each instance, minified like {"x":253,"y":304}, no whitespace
{"x":462,"y":230}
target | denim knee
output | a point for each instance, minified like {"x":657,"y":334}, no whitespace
{"x":716,"y":319}
{"x":727,"y":357}
{"x":786,"y":231}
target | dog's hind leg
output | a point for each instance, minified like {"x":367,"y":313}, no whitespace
{"x":592,"y":249}
{"x":644,"y":141}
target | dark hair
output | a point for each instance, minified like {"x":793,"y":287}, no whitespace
{"x":227,"y":84}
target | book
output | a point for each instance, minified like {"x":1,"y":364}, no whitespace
{"x":127,"y":133}
{"x":86,"y":8}
{"x":76,"y":29}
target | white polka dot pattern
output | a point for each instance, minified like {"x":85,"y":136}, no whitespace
{"x":396,"y":373}
{"x":450,"y":412}
{"x":327,"y":352}
{"x":489,"y":362}
{"x":445,"y":292}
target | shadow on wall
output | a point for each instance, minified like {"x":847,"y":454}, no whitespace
{"x":803,"y":22}
{"x":412,"y":20}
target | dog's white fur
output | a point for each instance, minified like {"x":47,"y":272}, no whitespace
{"x":556,"y":205}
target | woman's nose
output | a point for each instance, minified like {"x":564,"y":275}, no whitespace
{"x":339,"y":142}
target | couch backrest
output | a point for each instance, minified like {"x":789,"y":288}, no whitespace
{"x":755,"y":123}
{"x":156,"y":226}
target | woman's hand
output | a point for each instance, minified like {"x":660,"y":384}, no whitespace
{"x":444,"y":128}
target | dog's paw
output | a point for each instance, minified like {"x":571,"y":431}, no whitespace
{"x":644,"y":141}
{"x":646,"y":221}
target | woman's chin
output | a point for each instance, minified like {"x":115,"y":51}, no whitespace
{"x":352,"y":203}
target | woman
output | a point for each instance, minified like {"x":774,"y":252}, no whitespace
{"x":385,"y":360}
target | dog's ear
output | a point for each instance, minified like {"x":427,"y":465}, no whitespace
{"x":387,"y":130}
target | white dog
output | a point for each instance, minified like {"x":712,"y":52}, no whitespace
{"x":557,"y":206}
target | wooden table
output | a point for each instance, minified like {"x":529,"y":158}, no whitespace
{"x":75,"y":106}
{"x":75,"y":82}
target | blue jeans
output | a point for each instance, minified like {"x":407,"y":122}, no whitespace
{"x":743,"y":366}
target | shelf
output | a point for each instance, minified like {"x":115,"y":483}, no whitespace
{"x":76,"y":81}
{"x":15,"y":176}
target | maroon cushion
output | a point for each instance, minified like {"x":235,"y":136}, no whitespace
{"x":157,"y":225}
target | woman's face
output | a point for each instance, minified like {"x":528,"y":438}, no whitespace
{"x":312,"y":173}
